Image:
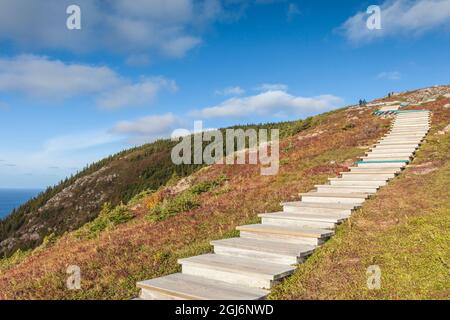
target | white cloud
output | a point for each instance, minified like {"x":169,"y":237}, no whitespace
{"x":73,"y":142}
{"x":136,"y":94}
{"x":156,"y":27}
{"x":36,"y":76}
{"x":40,"y":77}
{"x":138,"y":60}
{"x":272,"y":87}
{"x":276,"y":103}
{"x":147,"y":128}
{"x":400,"y":17}
{"x":230,"y":91}
{"x":176,"y":48}
{"x":391,"y":75}
{"x":65,"y":151}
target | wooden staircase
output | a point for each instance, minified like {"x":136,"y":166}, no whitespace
{"x":245,"y":268}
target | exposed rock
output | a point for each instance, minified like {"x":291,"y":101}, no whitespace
{"x":181,"y":186}
{"x":82,"y":198}
{"x":426,"y":95}
{"x":445,"y":130}
{"x":308,"y":136}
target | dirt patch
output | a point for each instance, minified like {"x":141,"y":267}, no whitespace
{"x":423,"y":168}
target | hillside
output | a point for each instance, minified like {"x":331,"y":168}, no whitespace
{"x":167,"y":216}
{"x":114,"y":180}
{"x":77,"y":200}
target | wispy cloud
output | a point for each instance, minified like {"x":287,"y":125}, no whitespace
{"x":272,"y":87}
{"x":136,"y":94}
{"x":138,"y":60}
{"x":40,"y":77}
{"x":74,"y":142}
{"x":9,"y":165}
{"x":399,"y":18}
{"x":230,"y":91}
{"x":292,"y":11}
{"x":275,"y":103}
{"x":62,"y":152}
{"x":147,"y":129}
{"x":390,"y":75}
{"x":56,"y":158}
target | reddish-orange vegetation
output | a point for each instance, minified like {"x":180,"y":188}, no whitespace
{"x":112,"y":263}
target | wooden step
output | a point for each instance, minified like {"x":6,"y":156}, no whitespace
{"x":402,"y":131}
{"x":334,"y":195}
{"x":398,"y":144}
{"x":241,"y":271}
{"x":267,"y":251}
{"x":328,"y":188}
{"x":349,"y":182}
{"x":390,"y":154}
{"x":290,"y":234}
{"x":377,"y":157}
{"x":332,"y":218}
{"x":301,"y":220}
{"x":402,"y":140}
{"x":375,"y":170}
{"x":406,"y":134}
{"x":389,"y":151}
{"x":415,"y":132}
{"x":367,"y":176}
{"x":352,"y":198}
{"x":394,"y":147}
{"x":180,"y":286}
{"x":318,"y":208}
{"x":411,"y":122}
{"x":381,"y":164}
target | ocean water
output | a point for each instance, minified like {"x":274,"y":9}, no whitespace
{"x":13,"y":198}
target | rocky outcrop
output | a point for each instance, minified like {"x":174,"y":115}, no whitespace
{"x":67,"y":210}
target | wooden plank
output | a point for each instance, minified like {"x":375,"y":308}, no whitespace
{"x":197,"y":288}
{"x":254,"y":267}
{"x":289,"y":231}
{"x":307,"y":217}
{"x":282,"y":248}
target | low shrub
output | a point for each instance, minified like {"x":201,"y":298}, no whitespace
{"x":109,"y":216}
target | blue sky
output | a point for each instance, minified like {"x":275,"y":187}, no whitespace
{"x":139,"y":69}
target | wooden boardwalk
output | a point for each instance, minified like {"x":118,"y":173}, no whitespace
{"x":247,"y":267}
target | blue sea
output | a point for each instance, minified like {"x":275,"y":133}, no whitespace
{"x":13,"y":198}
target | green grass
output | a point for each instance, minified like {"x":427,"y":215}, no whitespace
{"x":404,"y":229}
{"x":109,"y":217}
{"x":185,"y":201}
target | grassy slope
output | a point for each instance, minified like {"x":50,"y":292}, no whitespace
{"x":118,"y":178}
{"x":404,"y":229}
{"x":112,"y":261}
